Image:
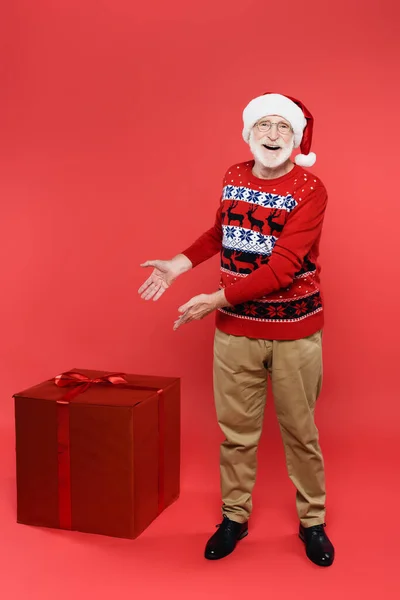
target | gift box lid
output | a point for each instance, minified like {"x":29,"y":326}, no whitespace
{"x":137,"y":389}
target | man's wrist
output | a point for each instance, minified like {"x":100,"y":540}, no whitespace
{"x":181,"y":263}
{"x":220,"y":299}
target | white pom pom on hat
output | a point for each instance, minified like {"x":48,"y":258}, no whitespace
{"x":290,"y":109}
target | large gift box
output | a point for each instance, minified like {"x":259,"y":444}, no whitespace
{"x":97,"y":452}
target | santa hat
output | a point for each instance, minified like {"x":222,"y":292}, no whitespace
{"x":290,"y":109}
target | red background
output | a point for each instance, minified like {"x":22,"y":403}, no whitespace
{"x":117,"y":122}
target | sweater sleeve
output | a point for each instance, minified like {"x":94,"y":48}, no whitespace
{"x":208,"y":244}
{"x":301,"y":230}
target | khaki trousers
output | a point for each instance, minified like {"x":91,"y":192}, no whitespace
{"x":241,"y":368}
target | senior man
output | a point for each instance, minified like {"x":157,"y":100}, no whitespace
{"x":269,"y":316}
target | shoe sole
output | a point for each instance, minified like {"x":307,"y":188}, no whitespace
{"x":241,"y":536}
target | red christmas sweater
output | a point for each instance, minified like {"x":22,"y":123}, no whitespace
{"x":267,"y":232}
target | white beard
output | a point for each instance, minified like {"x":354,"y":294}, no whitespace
{"x":269,"y":159}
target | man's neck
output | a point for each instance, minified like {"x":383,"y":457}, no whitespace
{"x":262,"y":172}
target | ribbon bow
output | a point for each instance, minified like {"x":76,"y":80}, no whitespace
{"x":80,"y":383}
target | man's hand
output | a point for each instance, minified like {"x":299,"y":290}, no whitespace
{"x":164,"y":274}
{"x":199,"y":307}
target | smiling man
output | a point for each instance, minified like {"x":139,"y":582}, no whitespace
{"x":269,"y":316}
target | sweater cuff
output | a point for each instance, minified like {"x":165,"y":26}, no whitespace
{"x":193,"y":256}
{"x":232,"y":295}
{"x":246,"y":291}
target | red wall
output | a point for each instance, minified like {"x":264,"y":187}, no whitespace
{"x":117,"y":122}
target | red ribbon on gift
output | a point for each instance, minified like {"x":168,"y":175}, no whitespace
{"x":79,"y":383}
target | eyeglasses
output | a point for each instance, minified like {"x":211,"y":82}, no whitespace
{"x":264,"y":126}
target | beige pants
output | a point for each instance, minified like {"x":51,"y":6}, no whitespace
{"x":241,"y":368}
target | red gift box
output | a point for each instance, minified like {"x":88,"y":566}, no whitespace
{"x":97,"y":452}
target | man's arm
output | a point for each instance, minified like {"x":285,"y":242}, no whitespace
{"x":301,"y":230}
{"x":208,"y":244}
{"x":166,"y":271}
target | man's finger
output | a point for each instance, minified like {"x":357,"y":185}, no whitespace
{"x":151,"y":290}
{"x":181,"y":319}
{"x":159,"y":293}
{"x":185,"y":318}
{"x":149,"y":263}
{"x":179,"y":322}
{"x":145,"y":285}
{"x":186,"y":306}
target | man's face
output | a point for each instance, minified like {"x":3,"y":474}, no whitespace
{"x":272,"y":146}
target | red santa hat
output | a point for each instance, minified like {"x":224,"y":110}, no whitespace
{"x":290,"y":109}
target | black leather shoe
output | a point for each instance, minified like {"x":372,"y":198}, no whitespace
{"x":319,"y":548}
{"x":224,"y":541}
